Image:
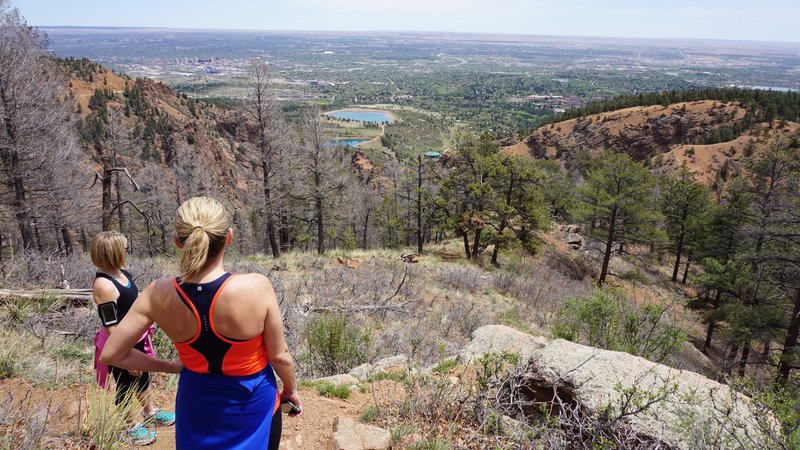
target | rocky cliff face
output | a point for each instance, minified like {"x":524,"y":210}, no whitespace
{"x":641,"y":132}
{"x":145,"y":123}
{"x":665,"y":137}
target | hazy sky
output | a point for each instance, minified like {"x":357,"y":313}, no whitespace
{"x":766,"y":20}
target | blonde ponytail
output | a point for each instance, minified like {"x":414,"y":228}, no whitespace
{"x":201,"y":227}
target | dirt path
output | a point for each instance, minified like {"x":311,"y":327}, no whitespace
{"x":309,"y":431}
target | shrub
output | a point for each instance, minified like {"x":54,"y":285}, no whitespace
{"x":8,"y":365}
{"x":637,"y":276}
{"x":105,"y":423}
{"x":73,"y":352}
{"x":432,"y":444}
{"x":462,"y":278}
{"x":401,"y":431}
{"x":328,"y":389}
{"x":368,"y":415}
{"x":335,"y":345}
{"x":17,"y":311}
{"x":608,"y":320}
{"x":775,"y":423}
{"x":445,"y":366}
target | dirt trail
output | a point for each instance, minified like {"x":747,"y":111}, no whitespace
{"x":311,"y":430}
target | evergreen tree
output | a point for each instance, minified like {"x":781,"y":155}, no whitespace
{"x":617,"y":198}
{"x":723,"y":241}
{"x":493,"y":199}
{"x":685,"y":204}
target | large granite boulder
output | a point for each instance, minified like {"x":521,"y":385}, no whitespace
{"x":498,"y":339}
{"x":351,"y":435}
{"x":657,"y":403}
{"x":364,"y":371}
{"x":341,"y":379}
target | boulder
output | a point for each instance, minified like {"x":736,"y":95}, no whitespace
{"x":690,"y":358}
{"x":676,"y":406}
{"x":498,"y":339}
{"x":574,"y":240}
{"x":367,"y":370}
{"x":351,"y":435}
{"x":340,"y":379}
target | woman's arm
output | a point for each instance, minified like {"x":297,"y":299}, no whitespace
{"x":103,"y":291}
{"x":119,"y":351}
{"x":275,"y":343}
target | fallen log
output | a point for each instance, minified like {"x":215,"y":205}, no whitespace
{"x":73,"y":295}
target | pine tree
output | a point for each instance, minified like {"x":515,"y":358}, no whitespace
{"x":685,"y":205}
{"x":617,"y":196}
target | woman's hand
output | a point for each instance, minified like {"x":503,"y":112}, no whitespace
{"x":175,"y":366}
{"x":293,"y":397}
{"x":135,"y":373}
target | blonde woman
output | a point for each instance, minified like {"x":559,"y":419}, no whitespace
{"x":114,"y":293}
{"x":229,"y":335}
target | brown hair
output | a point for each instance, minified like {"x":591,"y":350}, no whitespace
{"x":108,"y":249}
{"x":201,"y":226}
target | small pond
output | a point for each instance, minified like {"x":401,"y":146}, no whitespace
{"x":362,"y":116}
{"x":347,"y":142}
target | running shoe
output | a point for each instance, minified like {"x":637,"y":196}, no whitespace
{"x":159,"y":417}
{"x":141,"y":435}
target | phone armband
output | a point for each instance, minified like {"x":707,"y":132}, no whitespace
{"x":108,"y":313}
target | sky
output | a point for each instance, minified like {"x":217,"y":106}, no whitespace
{"x":760,"y":20}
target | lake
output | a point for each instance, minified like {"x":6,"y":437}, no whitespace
{"x":348,"y":142}
{"x":362,"y":116}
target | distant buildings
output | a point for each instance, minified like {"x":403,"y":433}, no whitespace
{"x":557,"y":103}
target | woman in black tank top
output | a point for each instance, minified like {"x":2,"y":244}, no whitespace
{"x":114,"y":284}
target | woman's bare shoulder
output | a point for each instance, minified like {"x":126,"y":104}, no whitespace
{"x":252,"y":283}
{"x":103,"y":290}
{"x":254,"y":279}
{"x":161,"y":287}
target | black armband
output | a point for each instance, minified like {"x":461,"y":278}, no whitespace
{"x":108,"y":313}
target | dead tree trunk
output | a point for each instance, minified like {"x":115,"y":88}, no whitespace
{"x":67,"y":238}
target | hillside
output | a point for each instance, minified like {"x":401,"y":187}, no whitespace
{"x":702,"y":135}
{"x":151,"y":123}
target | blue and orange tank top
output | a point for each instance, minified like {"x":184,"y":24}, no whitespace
{"x":208,"y":351}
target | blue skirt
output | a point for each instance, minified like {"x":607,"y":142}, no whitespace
{"x":222,"y":412}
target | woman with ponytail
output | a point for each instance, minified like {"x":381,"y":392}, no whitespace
{"x":229,"y":336}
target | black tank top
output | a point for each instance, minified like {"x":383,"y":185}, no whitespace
{"x":127,"y":294}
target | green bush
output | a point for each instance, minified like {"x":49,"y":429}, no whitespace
{"x":445,"y":366}
{"x":401,"y":431}
{"x":104,"y":423}
{"x":368,"y":415}
{"x":328,"y":389}
{"x":432,"y":444}
{"x":73,"y":352}
{"x":334,"y":345}
{"x":8,"y":365}
{"x":607,"y":319}
{"x":635,"y":275}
